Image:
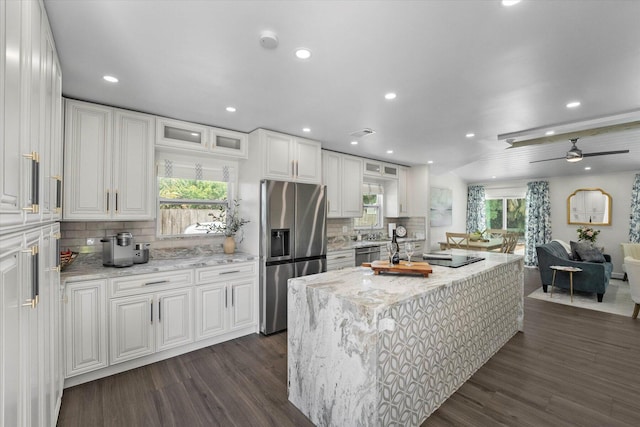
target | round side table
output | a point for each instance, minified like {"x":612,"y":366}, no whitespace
{"x":568,"y":269}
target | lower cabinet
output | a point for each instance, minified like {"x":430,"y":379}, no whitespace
{"x":85,"y":327}
{"x":225,"y":306}
{"x":140,"y":319}
{"x":338,"y":260}
{"x":144,"y":324}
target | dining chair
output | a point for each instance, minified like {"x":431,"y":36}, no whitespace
{"x":495,"y":233}
{"x":509,"y":243}
{"x":633,"y":274}
{"x":457,"y":240}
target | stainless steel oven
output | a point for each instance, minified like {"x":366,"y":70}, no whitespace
{"x":367,"y":254}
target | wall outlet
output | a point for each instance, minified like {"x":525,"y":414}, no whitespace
{"x":345,"y":228}
{"x":91,"y":241}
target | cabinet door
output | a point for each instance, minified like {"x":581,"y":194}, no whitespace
{"x":132,"y":326}
{"x":10,"y":308}
{"x":308,"y":161}
{"x":229,"y":143}
{"x":211,"y":309}
{"x":331,"y":177}
{"x":133,"y":188}
{"x":87,"y":161}
{"x":403,"y":193}
{"x":351,"y":187}
{"x":372,"y":168}
{"x":175,"y":319}
{"x":11,"y":160}
{"x":184,"y":135}
{"x":390,"y":171}
{"x":242,"y":301}
{"x":278,"y":156}
{"x":85,"y":327}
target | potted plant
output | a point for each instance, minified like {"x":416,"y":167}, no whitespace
{"x":227,"y":221}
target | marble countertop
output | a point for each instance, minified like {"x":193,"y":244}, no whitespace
{"x":89,"y":266}
{"x":361,"y":287}
{"x":341,"y":244}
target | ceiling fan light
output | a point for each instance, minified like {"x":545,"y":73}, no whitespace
{"x":574,"y":159}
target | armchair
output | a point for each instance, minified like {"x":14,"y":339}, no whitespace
{"x":593,"y":278}
{"x":633,"y":270}
{"x":632,"y":250}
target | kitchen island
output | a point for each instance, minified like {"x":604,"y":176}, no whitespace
{"x":389,"y":350}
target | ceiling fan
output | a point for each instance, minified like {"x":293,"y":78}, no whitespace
{"x":575,"y":154}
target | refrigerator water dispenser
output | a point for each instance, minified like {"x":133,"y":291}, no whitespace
{"x":280,"y":243}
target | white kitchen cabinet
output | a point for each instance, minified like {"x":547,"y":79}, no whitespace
{"x":342,"y":174}
{"x":149,"y":320}
{"x":375,"y":168}
{"x":225,"y":299}
{"x":108,"y":163}
{"x":185,"y":136}
{"x":27,"y":154}
{"x":85,"y":327}
{"x":403,"y":192}
{"x":284,"y":157}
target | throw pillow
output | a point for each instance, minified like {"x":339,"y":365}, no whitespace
{"x":586,"y":252}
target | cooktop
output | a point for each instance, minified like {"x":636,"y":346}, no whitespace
{"x":453,"y":261}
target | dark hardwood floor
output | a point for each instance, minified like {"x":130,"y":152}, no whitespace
{"x":570,"y":367}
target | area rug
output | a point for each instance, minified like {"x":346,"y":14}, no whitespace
{"x":617,"y":299}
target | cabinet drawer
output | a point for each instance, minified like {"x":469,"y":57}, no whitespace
{"x":226,"y":272}
{"x":143,"y":283}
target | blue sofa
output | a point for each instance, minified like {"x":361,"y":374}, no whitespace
{"x":593,"y":278}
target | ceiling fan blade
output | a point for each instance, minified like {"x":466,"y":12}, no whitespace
{"x":604,"y":153}
{"x":546,"y":160}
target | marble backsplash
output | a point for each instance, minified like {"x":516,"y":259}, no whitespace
{"x":336,"y":226}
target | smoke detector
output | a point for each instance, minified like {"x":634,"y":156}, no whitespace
{"x":268,"y":40}
{"x":363,"y":132}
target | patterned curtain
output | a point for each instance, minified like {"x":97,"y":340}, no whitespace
{"x":475,"y":209}
{"x":634,"y":220}
{"x":538,"y":220}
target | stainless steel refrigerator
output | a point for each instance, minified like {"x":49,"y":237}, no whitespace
{"x":293,"y":243}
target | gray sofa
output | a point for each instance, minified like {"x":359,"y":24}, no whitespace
{"x":593,"y":278}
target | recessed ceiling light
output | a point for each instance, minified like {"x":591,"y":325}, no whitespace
{"x":389,"y":151}
{"x":390,"y":96}
{"x":493,"y":177}
{"x":510,"y":2}
{"x":470,"y":135}
{"x":194,"y":134}
{"x":573,"y":104}
{"x":110,"y":79}
{"x":307,"y":130}
{"x":550,"y":132}
{"x":587,"y":168}
{"x":231,"y":109}
{"x":303,"y":53}
{"x":430,"y":162}
{"x":354,"y":142}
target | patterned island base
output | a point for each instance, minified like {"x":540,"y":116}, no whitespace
{"x":381,"y":350}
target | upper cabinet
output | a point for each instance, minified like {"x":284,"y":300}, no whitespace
{"x":379,"y":169}
{"x":286,"y":157}
{"x":108,"y":163}
{"x":174,"y":134}
{"x":31,"y":156}
{"x":342,"y":174}
{"x":396,"y":194}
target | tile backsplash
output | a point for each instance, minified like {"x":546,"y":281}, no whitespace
{"x":75,"y":235}
{"x":335,"y":226}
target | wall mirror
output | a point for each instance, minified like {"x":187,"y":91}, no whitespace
{"x":589,"y":206}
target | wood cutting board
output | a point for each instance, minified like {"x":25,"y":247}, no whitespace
{"x":422,"y":268}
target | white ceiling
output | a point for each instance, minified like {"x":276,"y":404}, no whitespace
{"x":456,"y":66}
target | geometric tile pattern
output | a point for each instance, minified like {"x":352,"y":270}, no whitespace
{"x":441,"y":338}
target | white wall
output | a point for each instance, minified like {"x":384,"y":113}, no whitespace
{"x":618,"y":186}
{"x":459,"y":211}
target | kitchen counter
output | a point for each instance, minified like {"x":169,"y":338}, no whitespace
{"x":89,"y":266}
{"x":382,"y":350}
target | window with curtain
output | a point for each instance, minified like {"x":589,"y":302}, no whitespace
{"x":372,"y":204}
{"x":634,"y":222}
{"x":475,"y":208}
{"x":193,"y":195}
{"x":538,"y":229}
{"x":505,"y":208}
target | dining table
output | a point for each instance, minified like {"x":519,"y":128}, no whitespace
{"x":478,"y":245}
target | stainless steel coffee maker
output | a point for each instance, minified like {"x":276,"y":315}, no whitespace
{"x":117,"y":251}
